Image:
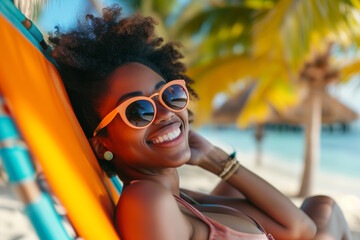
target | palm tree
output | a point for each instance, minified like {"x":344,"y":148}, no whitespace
{"x":291,"y":43}
{"x":326,"y":23}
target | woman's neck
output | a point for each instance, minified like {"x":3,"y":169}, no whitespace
{"x":168,"y":178}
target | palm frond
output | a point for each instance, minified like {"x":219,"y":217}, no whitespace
{"x":221,"y":30}
{"x":221,"y":72}
{"x":164,"y":7}
{"x":274,"y":91}
{"x":294,"y":28}
{"x":189,"y":11}
{"x":212,"y":19}
{"x":350,"y":70}
{"x":228,"y":41}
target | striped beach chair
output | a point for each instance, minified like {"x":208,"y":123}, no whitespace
{"x":39,"y":128}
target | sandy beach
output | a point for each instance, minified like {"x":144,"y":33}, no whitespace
{"x":286,"y":177}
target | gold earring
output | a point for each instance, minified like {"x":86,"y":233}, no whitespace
{"x":108,"y":155}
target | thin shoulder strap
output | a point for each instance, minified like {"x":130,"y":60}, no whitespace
{"x":195,"y":212}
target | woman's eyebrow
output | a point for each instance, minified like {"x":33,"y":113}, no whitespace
{"x":129,"y":95}
{"x":160,"y":84}
{"x":139,"y":93}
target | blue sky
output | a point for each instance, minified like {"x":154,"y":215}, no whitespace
{"x":66,"y":12}
{"x":349,"y":94}
{"x":58,"y":12}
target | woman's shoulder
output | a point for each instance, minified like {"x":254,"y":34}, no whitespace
{"x":143,"y":194}
{"x":147,"y":208}
{"x":145,"y":188}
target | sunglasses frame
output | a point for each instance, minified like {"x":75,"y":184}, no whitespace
{"x":120,"y":109}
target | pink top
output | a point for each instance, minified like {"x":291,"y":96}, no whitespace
{"x":219,"y":231}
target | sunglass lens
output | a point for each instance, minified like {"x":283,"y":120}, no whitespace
{"x":175,"y":97}
{"x":140,"y":113}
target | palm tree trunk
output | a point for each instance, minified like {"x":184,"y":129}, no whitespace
{"x":259,"y":134}
{"x":312,"y":140}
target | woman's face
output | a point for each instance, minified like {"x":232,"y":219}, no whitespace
{"x":141,"y":148}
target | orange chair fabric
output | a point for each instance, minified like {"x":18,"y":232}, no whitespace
{"x":31,"y":85}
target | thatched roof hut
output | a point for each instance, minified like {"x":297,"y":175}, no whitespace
{"x":230,"y":110}
{"x":333,"y":111}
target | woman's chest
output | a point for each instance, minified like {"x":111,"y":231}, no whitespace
{"x":223,"y":217}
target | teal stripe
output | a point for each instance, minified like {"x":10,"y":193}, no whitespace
{"x":15,"y":158}
{"x":35,"y":32}
{"x":117,"y":184}
{"x":7,"y":128}
{"x":17,"y":164}
{"x":45,"y":220}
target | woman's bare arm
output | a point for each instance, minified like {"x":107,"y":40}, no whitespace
{"x":274,"y":210}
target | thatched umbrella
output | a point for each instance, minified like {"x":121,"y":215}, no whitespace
{"x":333,"y":111}
{"x":231,"y":109}
{"x":227,"y":113}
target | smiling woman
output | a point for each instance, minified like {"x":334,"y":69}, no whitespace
{"x":131,"y":137}
{"x":129,"y":92}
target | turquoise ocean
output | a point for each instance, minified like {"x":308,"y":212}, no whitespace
{"x":339,"y":151}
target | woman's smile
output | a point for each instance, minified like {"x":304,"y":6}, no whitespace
{"x":167,"y":136}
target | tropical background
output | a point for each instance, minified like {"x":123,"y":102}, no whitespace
{"x":278,"y":81}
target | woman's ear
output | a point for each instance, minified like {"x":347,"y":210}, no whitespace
{"x":98,"y":147}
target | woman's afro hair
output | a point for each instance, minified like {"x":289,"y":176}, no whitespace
{"x":90,"y":52}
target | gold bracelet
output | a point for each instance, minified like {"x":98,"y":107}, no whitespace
{"x":228,"y":164}
{"x":231,"y":171}
{"x":227,"y":168}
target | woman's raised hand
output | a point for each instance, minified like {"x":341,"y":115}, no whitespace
{"x":200,"y":148}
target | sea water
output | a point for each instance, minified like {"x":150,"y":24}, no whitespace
{"x":339,"y":151}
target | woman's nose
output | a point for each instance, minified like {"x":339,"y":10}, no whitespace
{"x":162,"y":113}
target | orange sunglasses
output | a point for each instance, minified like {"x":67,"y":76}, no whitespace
{"x":139,"y":112}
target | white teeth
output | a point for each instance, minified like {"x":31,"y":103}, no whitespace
{"x":167,"y":137}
